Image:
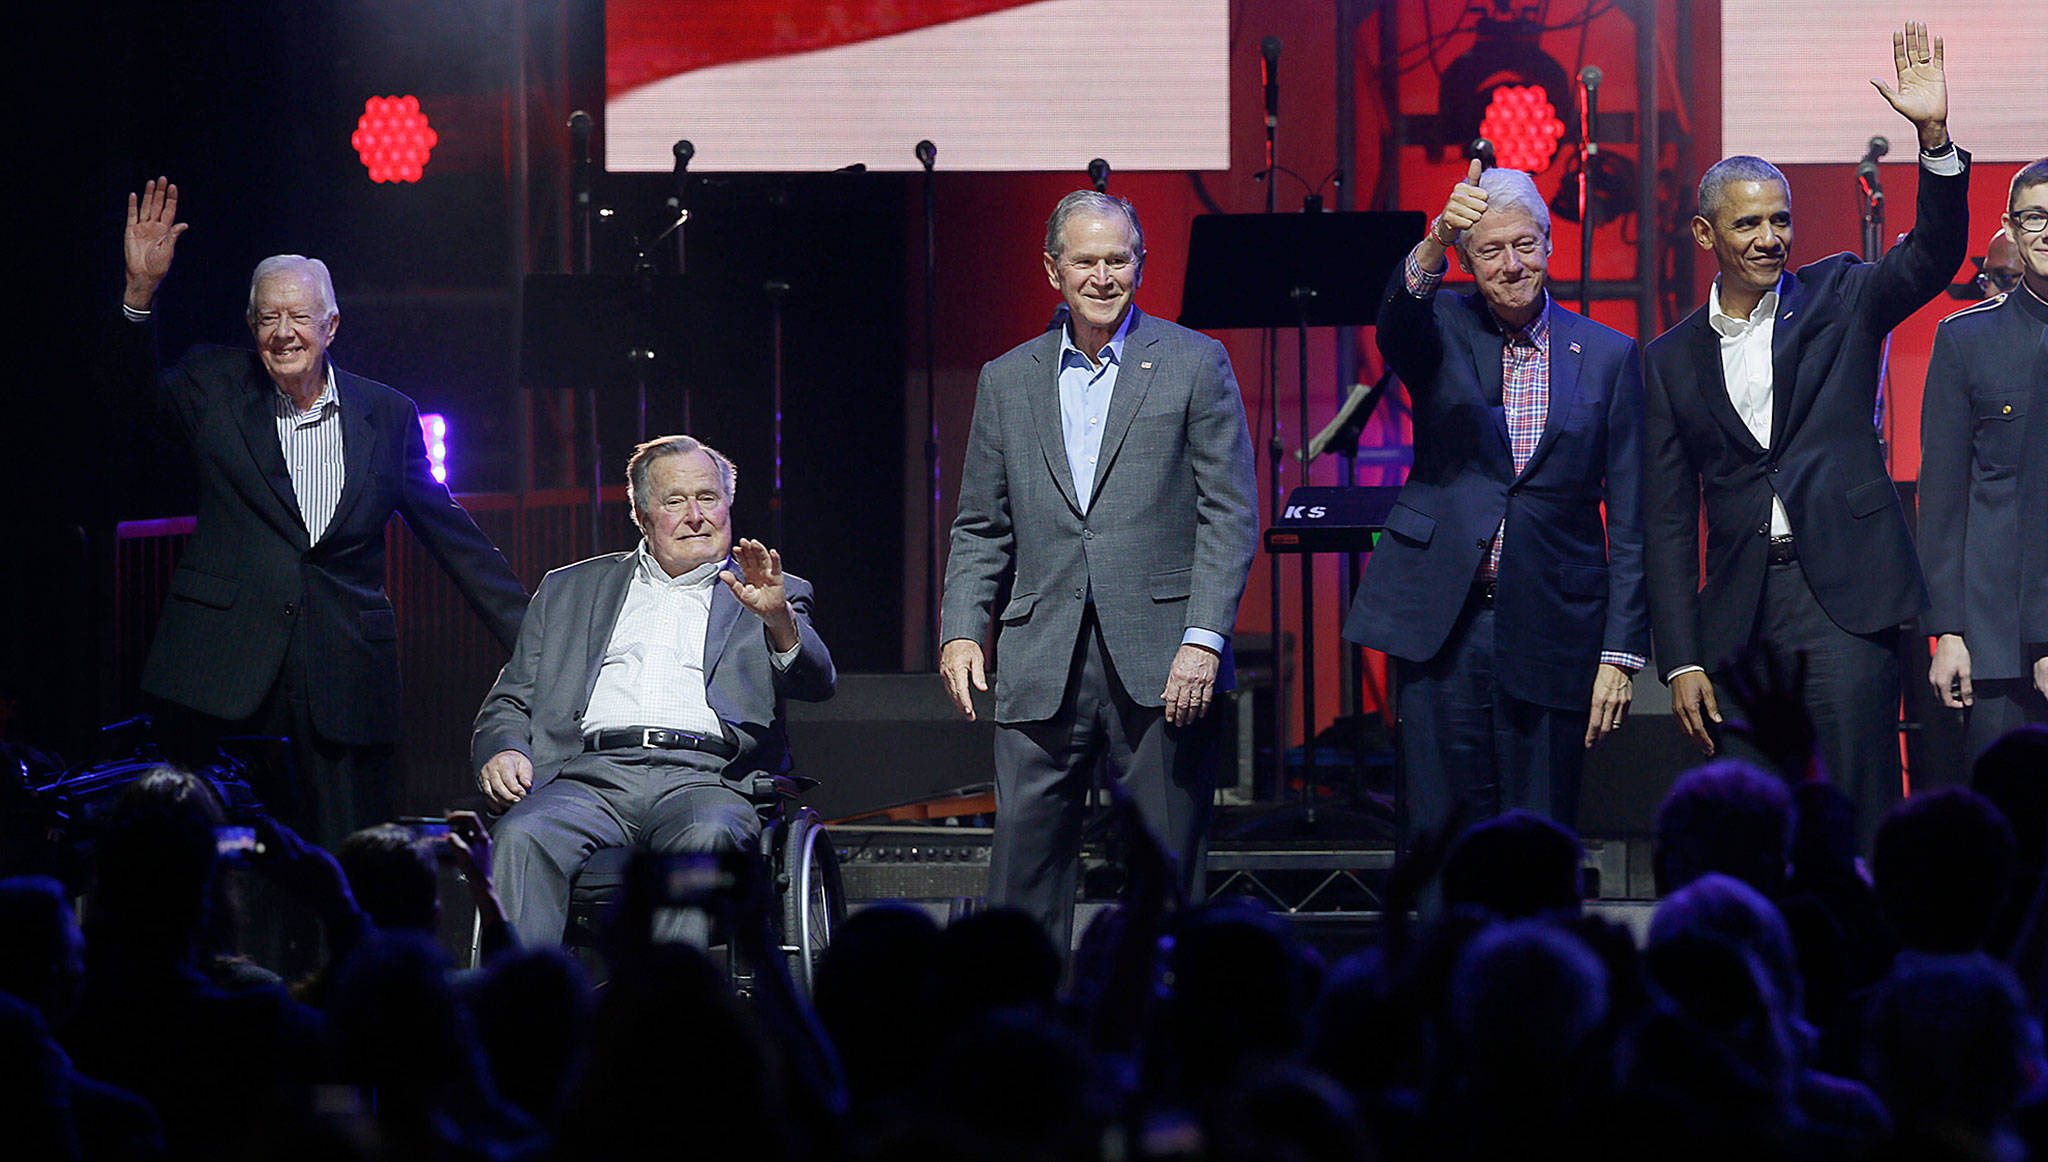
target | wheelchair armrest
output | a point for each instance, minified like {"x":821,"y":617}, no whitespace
{"x":765,"y":787}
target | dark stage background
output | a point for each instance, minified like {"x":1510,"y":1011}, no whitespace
{"x":249,"y":106}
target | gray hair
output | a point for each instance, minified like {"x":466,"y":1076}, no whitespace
{"x":1091,"y":202}
{"x":660,"y":448}
{"x":280,"y":265}
{"x":1729,"y":170}
{"x":1512,"y":191}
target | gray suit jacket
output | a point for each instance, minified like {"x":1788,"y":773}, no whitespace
{"x":1166,"y":541}
{"x":537,"y":706}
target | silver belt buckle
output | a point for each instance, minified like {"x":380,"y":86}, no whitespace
{"x":647,"y":734}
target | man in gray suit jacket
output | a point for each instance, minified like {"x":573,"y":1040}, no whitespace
{"x":1109,"y":483}
{"x":646,"y":686}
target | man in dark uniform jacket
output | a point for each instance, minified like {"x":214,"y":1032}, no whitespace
{"x":277,"y":620}
{"x":1977,"y":422}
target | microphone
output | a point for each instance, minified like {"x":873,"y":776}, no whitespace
{"x":927,"y":155}
{"x":1866,"y":170}
{"x":684,"y":150}
{"x":1098,"y":173}
{"x":1590,"y":77}
{"x":580,"y":183}
{"x":1482,"y":149}
{"x":1269,"y":48}
{"x":579,"y":134}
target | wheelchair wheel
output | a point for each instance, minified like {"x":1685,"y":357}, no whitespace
{"x":813,"y":901}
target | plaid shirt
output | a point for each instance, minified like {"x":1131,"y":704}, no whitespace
{"x":1525,"y":393}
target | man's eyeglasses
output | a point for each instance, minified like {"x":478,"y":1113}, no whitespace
{"x":1997,"y":282}
{"x":2031,"y":221}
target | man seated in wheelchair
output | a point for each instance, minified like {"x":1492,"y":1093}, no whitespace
{"x":645,"y":692}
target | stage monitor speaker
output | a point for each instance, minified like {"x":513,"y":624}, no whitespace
{"x":885,"y":740}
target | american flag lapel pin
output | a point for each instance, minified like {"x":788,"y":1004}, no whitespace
{"x":1575,"y":348}
{"x":1145,"y":366}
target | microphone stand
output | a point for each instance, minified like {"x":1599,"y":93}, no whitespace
{"x":928,"y":156}
{"x":1870,"y":190}
{"x":582,"y":177}
{"x":1589,"y":84}
{"x":1870,"y":194}
{"x":1276,"y":450}
{"x":679,"y":202}
{"x":775,"y":289}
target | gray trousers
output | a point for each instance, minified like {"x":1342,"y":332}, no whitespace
{"x":661,"y":800}
{"x":1044,"y":771}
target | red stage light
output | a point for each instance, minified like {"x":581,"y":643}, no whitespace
{"x":1523,"y":127}
{"x":393,"y":138}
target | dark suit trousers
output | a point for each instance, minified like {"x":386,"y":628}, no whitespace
{"x":661,"y":800}
{"x":1464,"y":740}
{"x":1044,"y":771}
{"x":1998,"y":706}
{"x":1852,"y":690}
{"x":332,"y":789}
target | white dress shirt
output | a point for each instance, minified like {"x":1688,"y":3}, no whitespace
{"x":653,"y":670}
{"x":1746,"y":368}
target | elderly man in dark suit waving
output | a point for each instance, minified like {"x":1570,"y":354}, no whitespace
{"x":1515,"y":612}
{"x":1109,"y":482}
{"x":1760,"y":407}
{"x":646,"y":689}
{"x":277,"y":620}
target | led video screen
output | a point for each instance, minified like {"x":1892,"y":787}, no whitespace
{"x":793,"y":85}
{"x":1795,"y":77}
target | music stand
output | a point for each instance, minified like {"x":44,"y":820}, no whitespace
{"x":1294,"y":270}
{"x":600,"y":333}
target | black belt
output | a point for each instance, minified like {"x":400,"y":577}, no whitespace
{"x":659,"y":738}
{"x":1782,"y":551}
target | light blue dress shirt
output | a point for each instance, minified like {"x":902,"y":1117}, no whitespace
{"x":1085,"y":388}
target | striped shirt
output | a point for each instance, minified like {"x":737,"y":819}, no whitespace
{"x":311,"y":440}
{"x":1525,"y":397}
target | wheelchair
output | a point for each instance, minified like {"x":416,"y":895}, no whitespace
{"x":810,"y":899}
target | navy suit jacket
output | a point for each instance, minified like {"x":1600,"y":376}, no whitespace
{"x":249,"y":578}
{"x":537,"y":705}
{"x":1976,"y":421}
{"x":1570,"y":585}
{"x":1825,"y":459}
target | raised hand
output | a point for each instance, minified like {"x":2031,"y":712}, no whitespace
{"x":150,"y":241}
{"x":1922,"y":95}
{"x":1466,"y":203}
{"x":758,"y":585}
